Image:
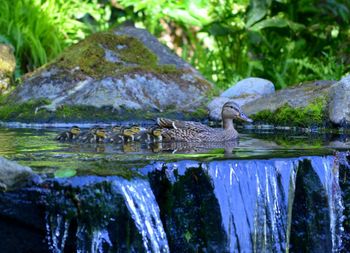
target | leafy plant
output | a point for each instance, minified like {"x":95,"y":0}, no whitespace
{"x":39,"y":29}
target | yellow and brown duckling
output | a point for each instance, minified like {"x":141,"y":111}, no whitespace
{"x":131,"y":134}
{"x":153,"y":134}
{"x":189,"y":131}
{"x":156,"y":134}
{"x":116,"y":134}
{"x":70,"y":135}
{"x":94,"y":135}
{"x":101,"y":134}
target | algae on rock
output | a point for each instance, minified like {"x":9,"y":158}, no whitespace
{"x":112,"y":73}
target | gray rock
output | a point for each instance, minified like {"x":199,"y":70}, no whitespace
{"x":339,"y":103}
{"x":155,"y":79}
{"x":250,"y":86}
{"x":243,"y":92}
{"x":7,"y":66}
{"x":13,"y":175}
{"x":299,"y":96}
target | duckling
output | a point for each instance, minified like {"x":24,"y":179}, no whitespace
{"x":137,"y":132}
{"x":69,"y":135}
{"x":157,"y":134}
{"x":101,"y":135}
{"x":153,"y":134}
{"x":128,"y":135}
{"x":189,"y":131}
{"x":116,"y":134}
{"x":89,"y":136}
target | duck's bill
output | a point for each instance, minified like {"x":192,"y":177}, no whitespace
{"x":245,"y":118}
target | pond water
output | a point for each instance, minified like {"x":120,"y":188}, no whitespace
{"x":269,"y":192}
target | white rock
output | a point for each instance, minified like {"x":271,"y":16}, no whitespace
{"x":250,"y":86}
{"x":243,"y":92}
{"x":339,"y":104}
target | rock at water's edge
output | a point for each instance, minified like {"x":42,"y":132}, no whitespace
{"x":243,"y":92}
{"x":124,"y":69}
{"x":250,"y":86}
{"x":339,"y":103}
{"x":13,"y":175}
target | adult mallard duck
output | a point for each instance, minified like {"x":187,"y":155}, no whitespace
{"x":189,"y":131}
{"x":69,"y":135}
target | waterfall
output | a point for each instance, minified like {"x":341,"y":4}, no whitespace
{"x":256,"y":198}
{"x":139,"y":200}
{"x":253,"y":199}
{"x":258,"y":201}
{"x":144,"y":210}
{"x":328,"y":171}
{"x":91,"y":242}
{"x":56,"y":232}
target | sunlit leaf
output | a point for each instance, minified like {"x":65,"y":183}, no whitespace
{"x":61,"y":173}
{"x":276,"y":22}
{"x":258,"y":10}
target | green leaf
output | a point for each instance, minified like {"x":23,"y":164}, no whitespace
{"x":276,"y":22}
{"x":184,"y":16}
{"x":258,"y":10}
{"x":61,"y":173}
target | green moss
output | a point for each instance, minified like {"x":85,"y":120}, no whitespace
{"x":313,"y":114}
{"x":29,"y":112}
{"x":129,"y":54}
{"x":25,"y":111}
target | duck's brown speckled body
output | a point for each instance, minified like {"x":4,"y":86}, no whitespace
{"x":189,"y":131}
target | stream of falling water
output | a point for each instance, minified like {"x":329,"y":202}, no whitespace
{"x":144,"y":210}
{"x":255,"y":198}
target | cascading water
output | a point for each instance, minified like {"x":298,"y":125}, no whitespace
{"x":256,"y":198}
{"x":57,"y":232}
{"x":140,"y":202}
{"x":253,"y":198}
{"x":328,"y":171}
{"x":145,"y":212}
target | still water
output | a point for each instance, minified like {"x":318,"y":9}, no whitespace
{"x":269,"y":192}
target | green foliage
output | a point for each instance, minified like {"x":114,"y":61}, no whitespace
{"x":311,"y":115}
{"x":287,"y":42}
{"x":39,"y":29}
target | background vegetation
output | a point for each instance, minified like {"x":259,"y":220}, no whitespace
{"x":285,"y":41}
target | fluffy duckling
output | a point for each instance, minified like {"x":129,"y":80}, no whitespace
{"x":69,"y":135}
{"x":128,"y":135}
{"x":101,"y":134}
{"x":116,"y":134}
{"x":156,"y":134}
{"x":89,"y":136}
{"x":94,"y":135}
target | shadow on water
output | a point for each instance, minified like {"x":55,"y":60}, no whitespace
{"x":260,"y":196}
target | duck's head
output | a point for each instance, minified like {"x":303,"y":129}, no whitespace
{"x":117,"y":129}
{"x":75,"y":130}
{"x":101,"y":132}
{"x":135,"y":129}
{"x":157,"y":132}
{"x":128,"y":132}
{"x":231,"y":110}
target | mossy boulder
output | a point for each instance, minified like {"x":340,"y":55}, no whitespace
{"x":123,"y":70}
{"x":7,"y":66}
{"x":320,"y":103}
